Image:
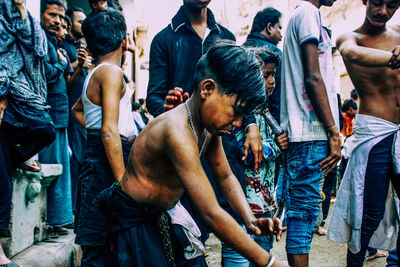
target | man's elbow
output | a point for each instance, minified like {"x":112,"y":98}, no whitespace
{"x":312,"y":80}
{"x":351,"y":56}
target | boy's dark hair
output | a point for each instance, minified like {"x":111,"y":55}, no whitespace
{"x":93,"y":2}
{"x":46,"y":3}
{"x":354,"y":94}
{"x":71,"y":10}
{"x":349,"y":103}
{"x":141,"y":101}
{"x":104,"y":31}
{"x":265,"y":55}
{"x":68,"y":20}
{"x":263,"y":17}
{"x":237,"y":72}
{"x":135,"y":106}
{"x":115,"y":4}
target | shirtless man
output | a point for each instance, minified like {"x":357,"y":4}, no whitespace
{"x":370,"y":54}
{"x":165,"y":161}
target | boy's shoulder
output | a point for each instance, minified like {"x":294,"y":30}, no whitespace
{"x":108,"y":72}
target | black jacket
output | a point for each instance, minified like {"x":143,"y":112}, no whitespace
{"x":173,"y":57}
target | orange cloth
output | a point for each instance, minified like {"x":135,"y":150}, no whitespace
{"x":347,"y":125}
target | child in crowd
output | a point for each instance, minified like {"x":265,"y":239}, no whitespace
{"x":165,"y":162}
{"x":105,"y":110}
{"x":260,"y":186}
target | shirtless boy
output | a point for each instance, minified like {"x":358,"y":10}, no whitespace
{"x":164,"y":162}
{"x":370,"y":54}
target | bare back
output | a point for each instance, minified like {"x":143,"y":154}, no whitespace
{"x":378,"y":87}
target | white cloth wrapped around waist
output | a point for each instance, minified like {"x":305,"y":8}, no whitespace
{"x":180,"y":216}
{"x":347,"y":213}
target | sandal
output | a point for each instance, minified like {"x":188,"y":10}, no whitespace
{"x":31,"y":165}
{"x":378,"y":254}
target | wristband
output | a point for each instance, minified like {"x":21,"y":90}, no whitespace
{"x":247,"y":127}
{"x":271,"y":261}
{"x":333,"y":126}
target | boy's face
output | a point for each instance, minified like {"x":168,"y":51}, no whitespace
{"x":269,"y":77}
{"x":52,"y":18}
{"x":63,"y":31}
{"x":100,"y":5}
{"x":379,"y":12}
{"x":218,"y":112}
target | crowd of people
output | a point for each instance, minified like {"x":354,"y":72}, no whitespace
{"x":240,"y":140}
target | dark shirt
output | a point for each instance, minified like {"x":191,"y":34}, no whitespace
{"x":71,"y":46}
{"x":174,"y":54}
{"x":257,"y":39}
{"x":56,"y":85}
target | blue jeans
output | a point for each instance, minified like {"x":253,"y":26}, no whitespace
{"x":59,"y":196}
{"x":231,"y":258}
{"x":379,"y":173}
{"x":305,"y":185}
{"x":393,"y":259}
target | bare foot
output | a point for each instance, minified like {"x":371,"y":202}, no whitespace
{"x":321,"y":231}
{"x":31,"y":165}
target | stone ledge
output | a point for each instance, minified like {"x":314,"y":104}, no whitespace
{"x":60,"y":252}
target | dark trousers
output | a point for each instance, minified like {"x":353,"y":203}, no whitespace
{"x":379,"y":173}
{"x":18,"y":144}
{"x":328,"y":187}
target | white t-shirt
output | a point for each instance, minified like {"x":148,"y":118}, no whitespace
{"x":298,"y":116}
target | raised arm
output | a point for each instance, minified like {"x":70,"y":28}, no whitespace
{"x":111,"y":84}
{"x":365,"y":56}
{"x":315,"y":87}
{"x":183,"y":153}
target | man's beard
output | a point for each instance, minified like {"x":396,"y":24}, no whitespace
{"x":77,"y":35}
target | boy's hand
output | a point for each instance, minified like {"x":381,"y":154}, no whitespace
{"x":279,"y":263}
{"x":265,"y":226}
{"x":3,"y":106}
{"x":329,"y":163}
{"x":283,"y":141}
{"x":174,"y":98}
{"x":61,"y":57}
{"x":253,"y":141}
{"x":82,"y":56}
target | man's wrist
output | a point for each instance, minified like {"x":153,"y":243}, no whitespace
{"x":251,"y":124}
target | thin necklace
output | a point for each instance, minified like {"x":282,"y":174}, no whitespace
{"x":194,"y":131}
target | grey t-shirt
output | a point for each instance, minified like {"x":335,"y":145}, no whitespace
{"x":298,"y":116}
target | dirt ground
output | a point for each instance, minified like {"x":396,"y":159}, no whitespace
{"x":324,"y":253}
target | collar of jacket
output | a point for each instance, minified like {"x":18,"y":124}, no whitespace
{"x":180,"y":19}
{"x":259,"y":36}
{"x":51,"y":38}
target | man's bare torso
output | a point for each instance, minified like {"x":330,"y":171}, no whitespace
{"x":378,"y":88}
{"x":151,"y":176}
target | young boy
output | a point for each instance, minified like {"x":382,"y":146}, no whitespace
{"x":105,"y":110}
{"x":165,"y":162}
{"x":260,"y":186}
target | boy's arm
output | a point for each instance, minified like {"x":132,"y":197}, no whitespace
{"x":366,"y":56}
{"x":315,"y":88}
{"x":183,"y":153}
{"x":111,"y":85}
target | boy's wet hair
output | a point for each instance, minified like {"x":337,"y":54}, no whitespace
{"x":237,"y":72}
{"x":104,"y":31}
{"x":265,"y":56}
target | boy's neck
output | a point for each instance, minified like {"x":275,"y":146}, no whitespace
{"x":113,"y":58}
{"x":194,"y":107}
{"x":196,"y":16}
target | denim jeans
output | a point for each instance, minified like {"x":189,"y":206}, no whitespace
{"x":59,"y":196}
{"x":18,"y":144}
{"x":232,"y":258}
{"x":305,"y":185}
{"x":393,"y":259}
{"x":379,"y":173}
